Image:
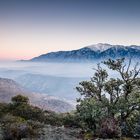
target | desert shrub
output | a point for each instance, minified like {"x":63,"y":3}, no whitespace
{"x":71,"y":120}
{"x":109,"y":128}
{"x":53,"y":118}
{"x":20,"y":99}
{"x":19,"y":130}
{"x":90,"y":113}
{"x":3,"y":109}
{"x":88,"y":136}
{"x":20,"y":107}
{"x":130,"y":127}
{"x":19,"y":119}
{"x":66,"y":119}
{"x":28,"y":112}
{"x":137,"y":130}
{"x":16,"y":128}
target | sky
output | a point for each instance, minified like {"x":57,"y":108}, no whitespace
{"x":29,"y":28}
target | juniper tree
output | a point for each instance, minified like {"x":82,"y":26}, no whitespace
{"x":104,"y":97}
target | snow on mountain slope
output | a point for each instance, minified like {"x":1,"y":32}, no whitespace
{"x":100,"y":47}
{"x":135,"y":47}
{"x":103,"y":47}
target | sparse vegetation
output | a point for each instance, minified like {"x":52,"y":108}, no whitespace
{"x":19,"y":119}
{"x":108,"y":108}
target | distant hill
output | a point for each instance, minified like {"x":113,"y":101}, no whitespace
{"x":62,"y":87}
{"x":90,"y":53}
{"x":9,"y":88}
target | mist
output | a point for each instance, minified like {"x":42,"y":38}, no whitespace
{"x":54,"y":79}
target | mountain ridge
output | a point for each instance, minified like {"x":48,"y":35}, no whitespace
{"x":89,"y":53}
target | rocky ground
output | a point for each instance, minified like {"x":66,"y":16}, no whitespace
{"x":59,"y":133}
{"x":53,"y":133}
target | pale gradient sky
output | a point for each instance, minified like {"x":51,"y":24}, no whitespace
{"x":29,"y":28}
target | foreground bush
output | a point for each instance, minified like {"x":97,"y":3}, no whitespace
{"x":116,"y":98}
{"x":15,"y":128}
{"x":109,"y":128}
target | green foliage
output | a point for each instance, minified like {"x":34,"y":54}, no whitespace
{"x":15,"y":118}
{"x":19,"y":100}
{"x":88,"y":136}
{"x":3,"y":109}
{"x":19,"y":119}
{"x":71,"y":120}
{"x":28,"y":112}
{"x":112,"y":98}
{"x":52,"y":118}
{"x":109,"y":128}
{"x":20,"y":107}
{"x":16,"y":128}
{"x":90,"y":113}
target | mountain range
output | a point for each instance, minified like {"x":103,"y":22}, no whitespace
{"x":90,"y":53}
{"x":10,"y":88}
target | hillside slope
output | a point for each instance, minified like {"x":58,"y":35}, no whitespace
{"x":9,"y":88}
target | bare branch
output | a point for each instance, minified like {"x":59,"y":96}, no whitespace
{"x":130,"y":60}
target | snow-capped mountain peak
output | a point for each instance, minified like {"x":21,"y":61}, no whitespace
{"x":104,"y":46}
{"x":100,"y":47}
{"x":135,"y":47}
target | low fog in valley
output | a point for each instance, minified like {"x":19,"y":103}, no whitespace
{"x":54,"y":79}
